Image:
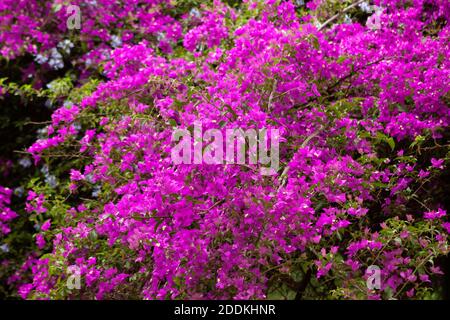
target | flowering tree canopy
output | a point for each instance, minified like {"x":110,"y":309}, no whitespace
{"x":358,"y":91}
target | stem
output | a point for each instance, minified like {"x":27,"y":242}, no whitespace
{"x":303,"y":284}
{"x":337,"y":15}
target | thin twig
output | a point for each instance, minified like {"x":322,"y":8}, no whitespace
{"x":214,"y":205}
{"x":274,"y":87}
{"x":37,"y":123}
{"x":337,"y":15}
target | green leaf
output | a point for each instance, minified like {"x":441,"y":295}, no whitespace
{"x":172,"y":123}
{"x":341,"y":59}
{"x":389,"y":140}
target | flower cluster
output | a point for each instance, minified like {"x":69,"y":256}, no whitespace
{"x":6,"y":214}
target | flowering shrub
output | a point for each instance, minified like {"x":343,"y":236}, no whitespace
{"x":361,"y":102}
